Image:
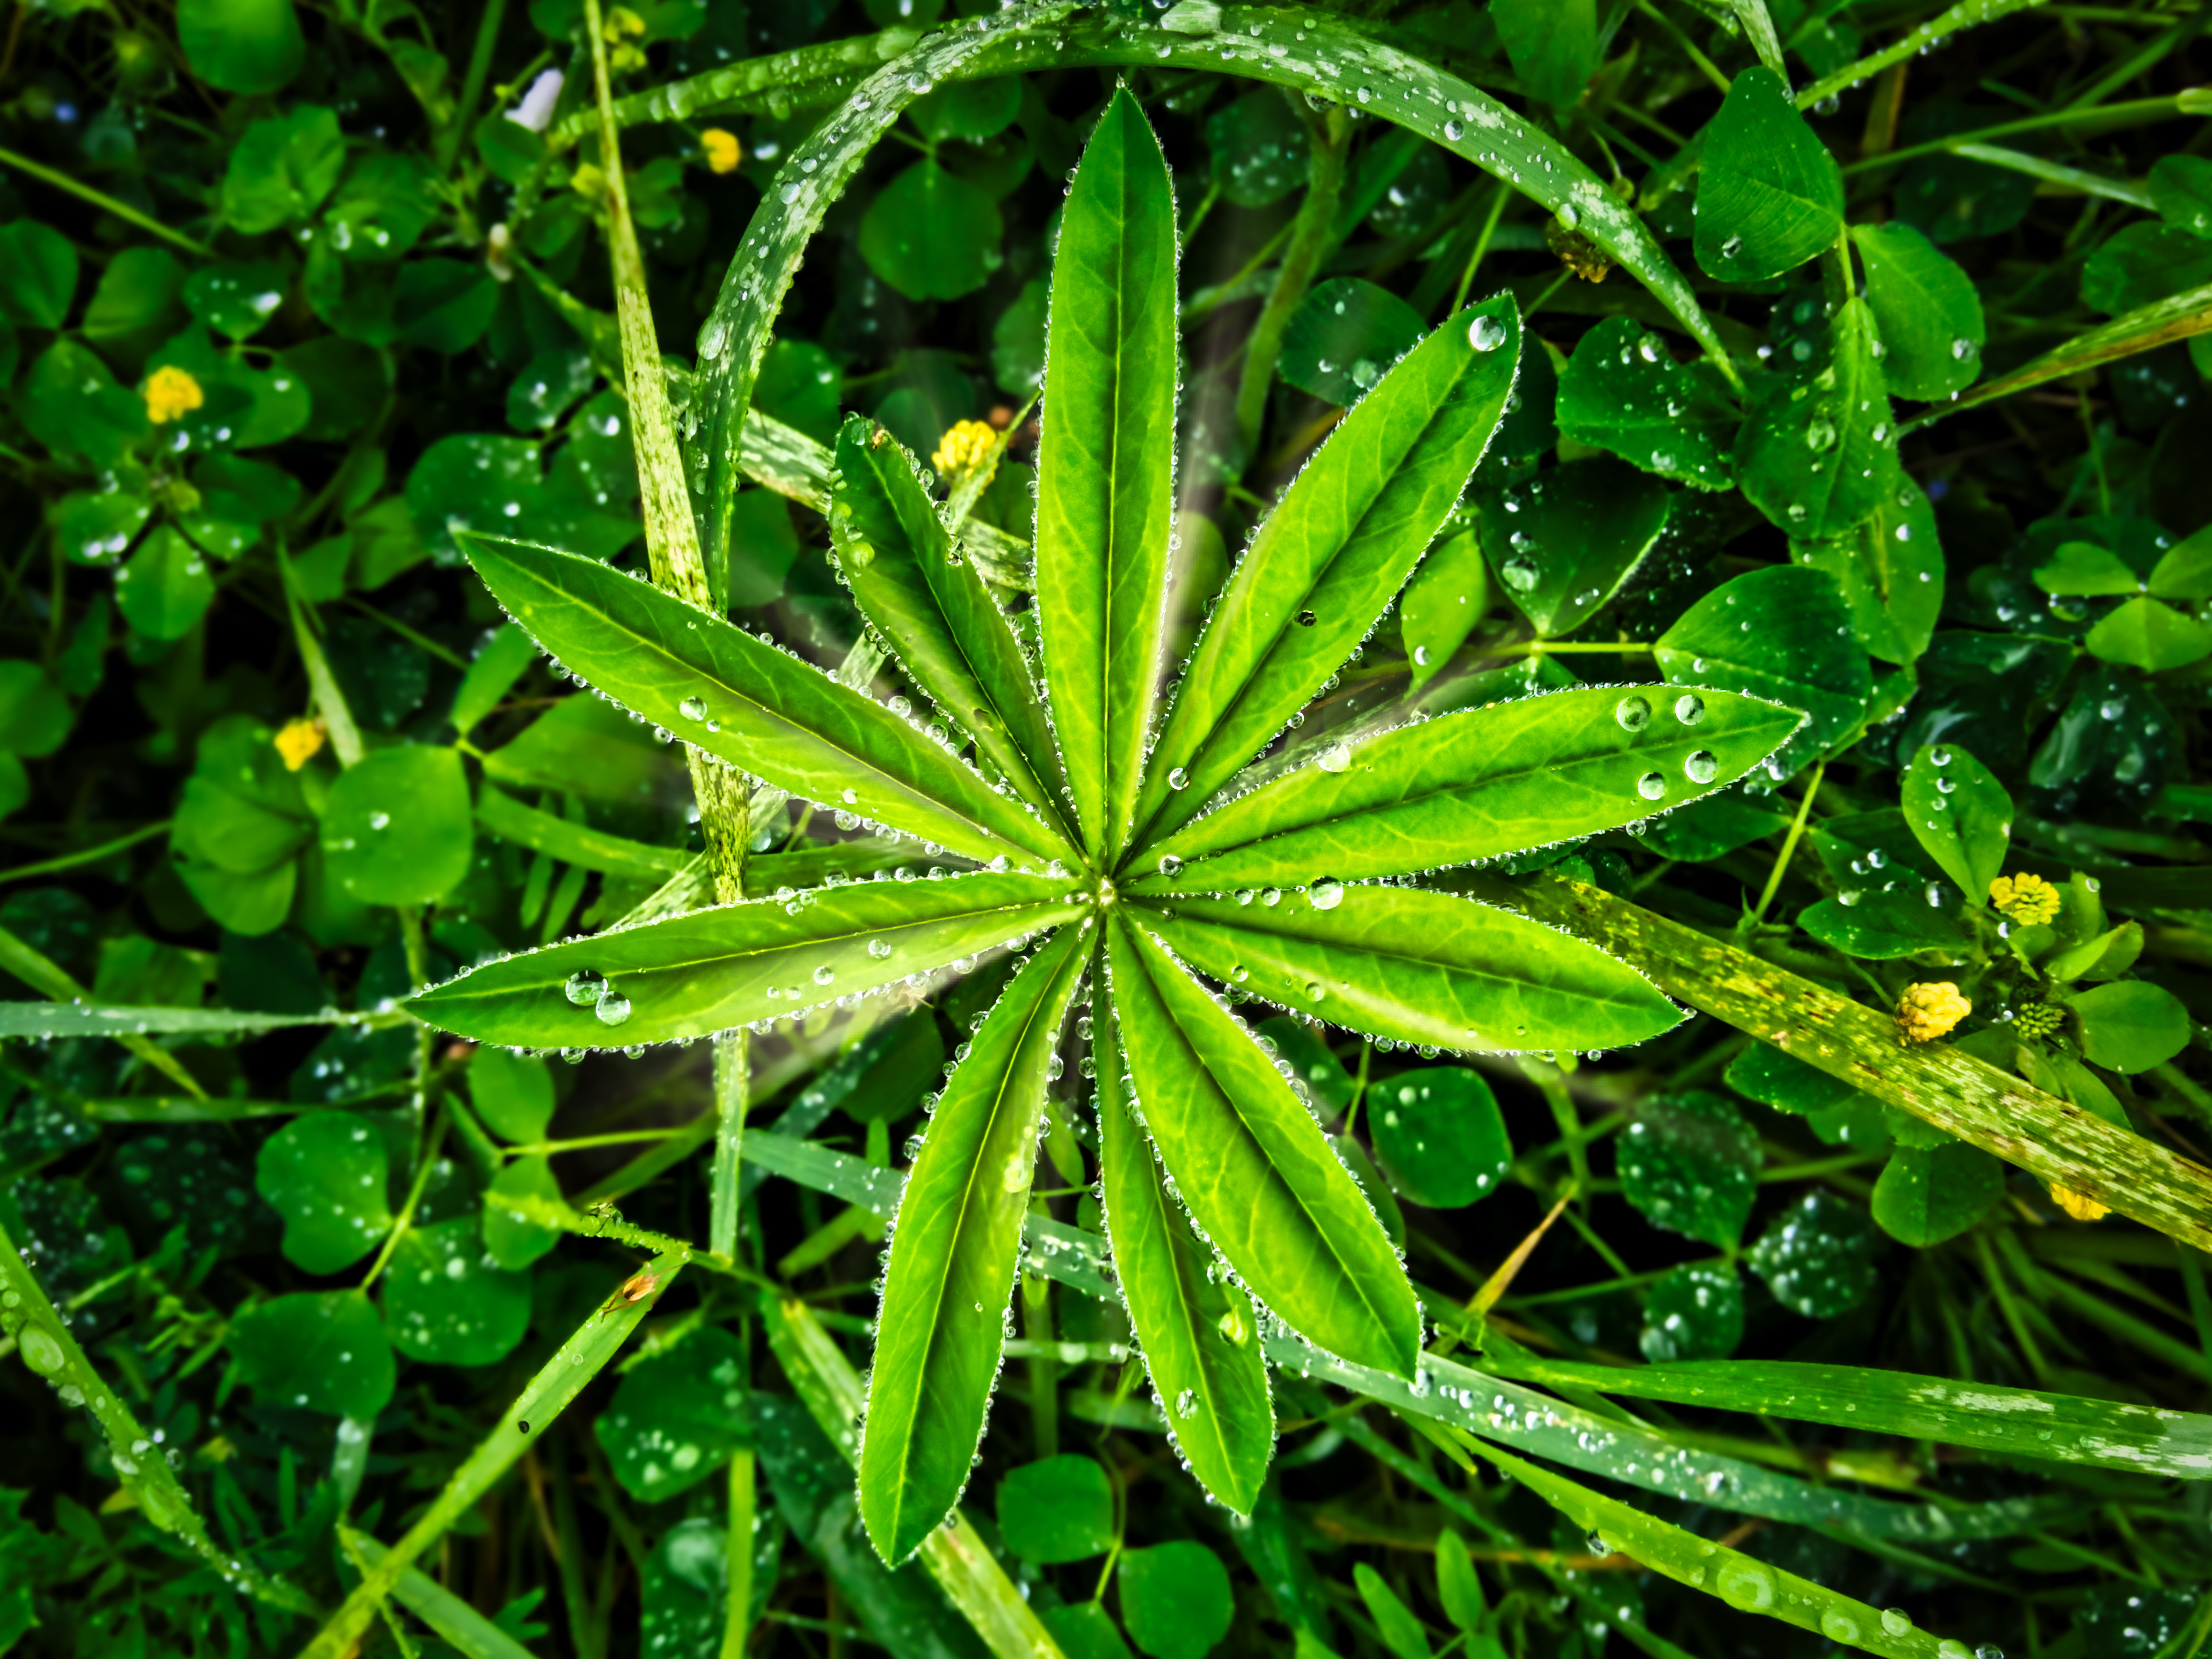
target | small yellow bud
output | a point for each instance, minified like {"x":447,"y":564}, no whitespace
{"x":2080,"y":1206}
{"x":589,"y":181}
{"x":1927,"y":1011}
{"x":723,"y":150}
{"x":965,"y":445}
{"x":171,"y":393}
{"x":299,"y":741}
{"x":2026,"y":899}
{"x":622,"y":21}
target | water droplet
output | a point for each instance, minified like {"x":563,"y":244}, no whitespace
{"x":41,"y":1349}
{"x":1179,"y":779}
{"x":1313,"y":992}
{"x":585,"y":988}
{"x":1651,"y":786}
{"x":1840,"y":1626}
{"x":1520,"y":574}
{"x":1820,"y":435}
{"x":1485,"y":333}
{"x":880,"y":948}
{"x":1336,"y":757}
{"x":1745,"y":1585}
{"x":1633,"y":713}
{"x":693,"y":709}
{"x":1597,"y":1544}
{"x":1701,"y":767}
{"x":613,"y":1008}
{"x":824,"y":974}
{"x":1170,"y":865}
{"x":1731,"y":247}
{"x":1232,"y":1325}
{"x":1895,"y":1621}
{"x":1689,"y":709}
{"x":1326,"y":894}
{"x":1962,"y":350}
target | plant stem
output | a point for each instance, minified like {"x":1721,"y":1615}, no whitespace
{"x":1311,"y":233}
{"x":1789,"y":843}
{"x":1498,"y":201}
{"x":90,"y":855}
{"x":423,"y":1166}
{"x":472,"y":85}
{"x":106,"y":203}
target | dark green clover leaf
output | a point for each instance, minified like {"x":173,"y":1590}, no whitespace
{"x":1448,"y":596}
{"x":1960,"y":814}
{"x":323,"y":1352}
{"x":1817,"y":1257}
{"x":1439,"y":1135}
{"x":241,"y":45}
{"x":513,"y":1239}
{"x":135,"y":305}
{"x":1768,"y":194}
{"x":1176,"y":1600}
{"x":236,"y":300}
{"x":1552,"y":46}
{"x":2130,"y":1026}
{"x":447,"y":1302}
{"x":37,"y":274}
{"x":1260,"y":148}
{"x":1099,"y":866}
{"x":1890,"y":570}
{"x":1818,"y":451}
{"x":1060,"y":1509}
{"x":1623,"y":391}
{"x":2146,"y":635}
{"x":1562,"y":544}
{"x":1783,"y":634}
{"x":513,"y":1093}
{"x":281,"y":167}
{"x":1925,"y":310}
{"x":165,"y":589}
{"x":1692,"y":1312}
{"x":1690,"y":1163}
{"x":1344,"y":336}
{"x":1926,"y":1195}
{"x":325,"y":1174}
{"x":677,"y":1416}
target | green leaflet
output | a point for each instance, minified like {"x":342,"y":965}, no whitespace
{"x":1331,"y":555}
{"x":1474,"y":785}
{"x":756,"y":706}
{"x":1199,"y":1335}
{"x":1926,"y":307}
{"x":1623,"y":391}
{"x":1928,"y":1194}
{"x":1817,"y":452}
{"x":500,"y":814}
{"x":1563,"y":542}
{"x":1250,"y":1164}
{"x":1982,"y":1415}
{"x":935,"y":611}
{"x":1768,"y":194}
{"x":713,"y":969}
{"x":1106,"y":468}
{"x":1783,"y":633}
{"x":953,"y":1259}
{"x":1960,"y":814}
{"x":1418,"y":968}
{"x":1890,"y":567}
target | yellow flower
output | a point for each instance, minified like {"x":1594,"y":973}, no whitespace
{"x":723,"y":150}
{"x":965,"y":445}
{"x":2028,"y":899}
{"x":170,"y":394}
{"x":2080,"y":1206}
{"x":1927,"y":1011}
{"x":299,"y":741}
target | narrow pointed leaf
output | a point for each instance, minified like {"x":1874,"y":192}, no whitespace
{"x":1199,"y":1335}
{"x":934,"y":609}
{"x":1332,"y":554}
{"x":940,"y":1329}
{"x":714,"y":969}
{"x":1418,"y":968}
{"x":758,"y":707}
{"x":1475,"y":784}
{"x":1252,"y":1166}
{"x":1106,"y":469}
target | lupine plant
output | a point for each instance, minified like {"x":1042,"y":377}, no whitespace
{"x":1066,"y":829}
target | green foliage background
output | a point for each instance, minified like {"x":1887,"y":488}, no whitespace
{"x":1862,"y":370}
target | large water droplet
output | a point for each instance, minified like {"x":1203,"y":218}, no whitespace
{"x":1840,"y":1626}
{"x":1702,"y":767}
{"x":1170,"y":865}
{"x":1745,"y":1585}
{"x":585,"y":987}
{"x":1179,"y":779}
{"x":1651,"y":786}
{"x":1520,"y":574}
{"x":1895,"y":1621}
{"x":1633,"y":713}
{"x":613,"y":1009}
{"x":1689,"y":709}
{"x":693,"y":709}
{"x":41,"y":1349}
{"x":1485,"y":333}
{"x":1326,"y":894}
{"x":1335,"y":758}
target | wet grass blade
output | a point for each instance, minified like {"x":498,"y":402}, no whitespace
{"x":469,"y":1632}
{"x":546,"y":1395}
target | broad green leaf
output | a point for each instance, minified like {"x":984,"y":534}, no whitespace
{"x":1401,"y":1633}
{"x":1624,"y":391}
{"x":2142,"y":265}
{"x":2184,"y":571}
{"x":1768,"y":194}
{"x":2182,"y":187}
{"x":241,"y":45}
{"x":1449,"y":593}
{"x":1057,"y":1510}
{"x":1881,"y":923}
{"x":164,"y":589}
{"x":1249,"y":1163}
{"x":677,"y":1416}
{"x":447,"y":1302}
{"x":397,"y":827}
{"x":1258,"y":149}
{"x":1084,"y":1630}
{"x":1416,"y":967}
{"x":1984,"y":1416}
{"x":1692,"y":1312}
{"x":136,"y":302}
{"x":2130,"y":1026}
{"x":1473,"y":784}
{"x":711,"y":970}
{"x":1890,"y":570}
{"x":1564,"y":542}
{"x":2146,"y":635}
{"x":513,"y":1093}
{"x":1925,"y":310}
{"x":1458,"y":1588}
{"x":1106,"y":469}
{"x":1928,"y":1194}
{"x":1439,"y":1135}
{"x":1552,"y":46}
{"x":1816,"y":1256}
{"x":938,"y":616}
{"x":511,"y":1239}
{"x":236,"y":298}
{"x":1344,"y":336}
{"x":325,"y":1174}
{"x":69,"y":402}
{"x":932,"y":235}
{"x":684,"y":1589}
{"x":941,"y":1324}
{"x":1960,"y":814}
{"x":321,"y":1352}
{"x":1818,"y":451}
{"x":1781,"y":633}
{"x":1313,"y":1069}
{"x":92,"y":528}
{"x":751,"y":704}
{"x":498,"y":664}
{"x":1332,"y":554}
{"x":1711,"y":827}
{"x":1177,"y":1601}
{"x":1199,"y":1335}
{"x":1690,"y":1164}
{"x":34,"y":715}
{"x":37,"y":274}
{"x":242,"y":812}
{"x":281,"y":167}
{"x":2088,"y":570}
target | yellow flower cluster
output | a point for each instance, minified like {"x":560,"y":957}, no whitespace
{"x":170,"y":394}
{"x":723,"y":150}
{"x":965,"y":445}
{"x":2080,"y":1206}
{"x":2026,"y":899}
{"x":299,"y":741}
{"x":623,"y":26}
{"x":1927,"y":1011}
